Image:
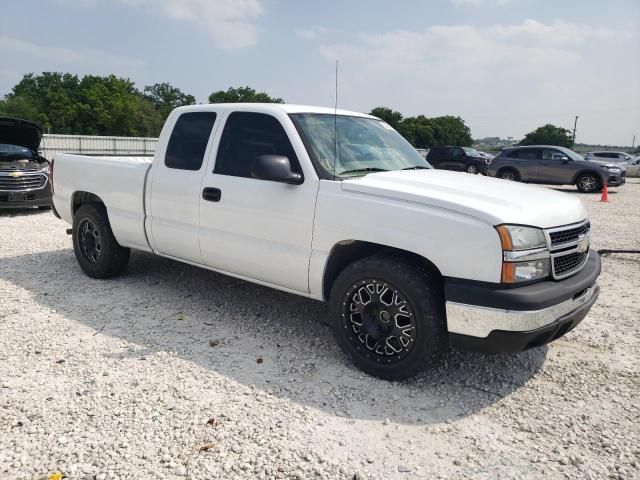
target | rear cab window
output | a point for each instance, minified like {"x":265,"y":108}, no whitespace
{"x":188,"y":141}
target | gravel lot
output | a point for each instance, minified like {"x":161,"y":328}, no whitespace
{"x":171,"y":371}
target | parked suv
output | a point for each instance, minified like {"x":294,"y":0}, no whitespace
{"x":461,"y":159}
{"x":615,"y":157}
{"x":24,"y":174}
{"x":555,"y":166}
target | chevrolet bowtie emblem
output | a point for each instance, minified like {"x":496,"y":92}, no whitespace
{"x":15,"y":174}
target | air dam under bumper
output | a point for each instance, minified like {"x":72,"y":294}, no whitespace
{"x":487,"y":318}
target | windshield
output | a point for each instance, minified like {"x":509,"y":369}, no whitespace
{"x":471,"y":151}
{"x":364,"y":145}
{"x":570,"y":153}
{"x":14,"y":152}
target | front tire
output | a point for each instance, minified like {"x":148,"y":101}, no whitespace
{"x":588,"y":183}
{"x":472,"y":169}
{"x":388,"y":316}
{"x":96,"y":249}
{"x":509,"y":174}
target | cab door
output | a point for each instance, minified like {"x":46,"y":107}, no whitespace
{"x":174,"y":200}
{"x":257,"y":228}
{"x":555,"y":167}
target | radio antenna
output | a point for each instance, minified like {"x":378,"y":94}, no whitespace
{"x":335,"y":126}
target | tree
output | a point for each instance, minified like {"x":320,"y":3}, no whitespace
{"x":242,"y":95}
{"x":390,"y":116}
{"x":548,"y":135}
{"x":165,"y":97}
{"x":91,"y":105}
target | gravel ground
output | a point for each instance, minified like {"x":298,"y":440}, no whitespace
{"x":171,"y":371}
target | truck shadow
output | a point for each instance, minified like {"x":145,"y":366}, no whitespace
{"x":253,"y":335}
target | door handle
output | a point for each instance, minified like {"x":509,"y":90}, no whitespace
{"x":211,"y":194}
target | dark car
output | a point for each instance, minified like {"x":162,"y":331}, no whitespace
{"x":555,"y":166}
{"x":24,"y":174}
{"x":461,"y":159}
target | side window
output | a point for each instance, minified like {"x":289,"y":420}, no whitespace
{"x":549,"y":154}
{"x":247,"y":135}
{"x":456,"y":153}
{"x":188,"y":141}
{"x":526,"y":154}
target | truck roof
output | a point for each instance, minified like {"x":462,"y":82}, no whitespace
{"x":272,"y":107}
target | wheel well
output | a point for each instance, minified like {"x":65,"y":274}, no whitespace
{"x":582,"y":172}
{"x":349,"y":251}
{"x":80,"y":198}
{"x":503,"y":169}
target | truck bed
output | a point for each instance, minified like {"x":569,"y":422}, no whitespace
{"x":118,"y":181}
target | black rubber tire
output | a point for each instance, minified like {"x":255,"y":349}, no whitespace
{"x":598,"y":183}
{"x":114,"y":258}
{"x":472,"y":169}
{"x":423,"y":291}
{"x":516,"y":176}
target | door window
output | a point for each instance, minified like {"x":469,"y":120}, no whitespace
{"x":188,"y":141}
{"x":247,"y":135}
{"x":526,"y":154}
{"x":550,"y":154}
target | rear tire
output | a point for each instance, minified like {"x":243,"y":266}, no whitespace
{"x":509,"y":174}
{"x":399,"y":307}
{"x":97,"y":251}
{"x":588,"y":183}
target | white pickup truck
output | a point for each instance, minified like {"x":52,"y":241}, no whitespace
{"x":337,"y":206}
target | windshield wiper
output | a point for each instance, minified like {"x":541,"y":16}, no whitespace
{"x":364,"y":170}
{"x":417,"y":167}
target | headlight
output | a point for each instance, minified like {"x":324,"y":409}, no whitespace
{"x":517,"y":237}
{"x":525,"y":253}
{"x":611,"y":169}
{"x":514,"y":272}
{"x":46,"y":168}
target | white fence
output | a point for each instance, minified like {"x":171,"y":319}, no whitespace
{"x":94,"y":145}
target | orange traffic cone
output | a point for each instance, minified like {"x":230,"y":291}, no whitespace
{"x":605,"y":195}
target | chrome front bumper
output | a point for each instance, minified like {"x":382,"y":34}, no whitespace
{"x":478,"y":321}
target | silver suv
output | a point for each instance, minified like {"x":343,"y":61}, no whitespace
{"x":555,"y":166}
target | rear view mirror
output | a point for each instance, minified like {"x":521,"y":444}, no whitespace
{"x":275,"y":168}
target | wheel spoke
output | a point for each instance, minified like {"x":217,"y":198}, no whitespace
{"x":381,"y":320}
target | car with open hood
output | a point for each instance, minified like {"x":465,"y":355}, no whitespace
{"x":24,"y":173}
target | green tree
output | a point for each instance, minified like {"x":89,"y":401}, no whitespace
{"x":242,"y":95}
{"x":390,"y":116}
{"x":548,"y":135}
{"x":165,"y":97}
{"x":92,"y":105}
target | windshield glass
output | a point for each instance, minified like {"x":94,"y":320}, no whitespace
{"x":364,"y":145}
{"x":570,"y":153}
{"x":471,"y":151}
{"x":14,"y":152}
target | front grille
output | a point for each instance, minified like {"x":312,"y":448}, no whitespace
{"x":21,"y":183}
{"x":570,"y":235}
{"x":566,"y":264}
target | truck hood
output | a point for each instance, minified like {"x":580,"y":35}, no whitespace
{"x":493,"y":200}
{"x":23,"y":133}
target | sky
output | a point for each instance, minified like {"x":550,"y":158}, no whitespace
{"x":504,"y":66}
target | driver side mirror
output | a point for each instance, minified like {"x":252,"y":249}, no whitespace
{"x":275,"y":168}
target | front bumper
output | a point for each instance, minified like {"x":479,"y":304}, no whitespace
{"x":494,"y":319}
{"x":24,"y":199}
{"x":615,"y":181}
